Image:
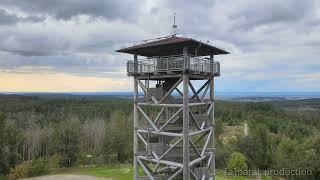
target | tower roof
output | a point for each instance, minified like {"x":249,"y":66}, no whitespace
{"x":173,"y":46}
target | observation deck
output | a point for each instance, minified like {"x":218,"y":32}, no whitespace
{"x":173,"y":65}
{"x":171,"y":57}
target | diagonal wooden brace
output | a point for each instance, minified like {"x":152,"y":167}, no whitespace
{"x":170,"y":91}
{"x":171,"y":118}
{"x":148,"y":119}
{"x":203,"y":86}
{"x":194,"y":91}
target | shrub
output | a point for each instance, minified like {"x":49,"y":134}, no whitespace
{"x":36,"y":168}
{"x":99,"y":160}
{"x":237,"y":162}
{"x":55,"y":161}
{"x":20,"y":171}
{"x":111,"y":158}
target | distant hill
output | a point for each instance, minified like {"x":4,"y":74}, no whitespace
{"x":233,"y":96}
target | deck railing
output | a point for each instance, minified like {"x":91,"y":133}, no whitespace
{"x":173,"y":64}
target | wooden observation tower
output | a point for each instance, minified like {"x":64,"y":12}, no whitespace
{"x":174,"y":121}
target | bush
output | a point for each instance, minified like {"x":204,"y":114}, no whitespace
{"x":55,"y":161}
{"x":20,"y":171}
{"x":100,"y":160}
{"x":237,"y":162}
{"x":111,"y":158}
{"x":36,"y":168}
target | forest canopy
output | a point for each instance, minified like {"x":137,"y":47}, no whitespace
{"x":83,"y":130}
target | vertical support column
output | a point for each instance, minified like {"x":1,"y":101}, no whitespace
{"x":186,"y":172}
{"x":212,"y":142}
{"x":186,"y":158}
{"x":135,"y":127}
{"x":135,"y":63}
{"x":146,"y":82}
{"x":186,"y":59}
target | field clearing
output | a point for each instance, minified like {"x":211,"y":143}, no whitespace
{"x":125,"y":172}
{"x":116,"y":172}
{"x":66,"y":177}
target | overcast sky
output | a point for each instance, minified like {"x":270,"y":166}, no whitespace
{"x":69,"y":45}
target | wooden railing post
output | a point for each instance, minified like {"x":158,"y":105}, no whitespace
{"x":186,"y":60}
{"x":135,"y":63}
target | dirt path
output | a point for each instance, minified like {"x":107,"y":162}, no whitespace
{"x":66,"y":177}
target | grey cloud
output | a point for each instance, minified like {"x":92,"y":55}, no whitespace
{"x":66,"y":63}
{"x":66,"y":9}
{"x":25,"y":52}
{"x":31,"y":44}
{"x":237,"y":21}
{"x":246,"y":26}
{"x":266,"y":12}
{"x":11,"y":19}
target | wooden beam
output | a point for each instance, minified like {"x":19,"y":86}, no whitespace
{"x":207,"y":142}
{"x":194,"y":147}
{"x":170,"y":91}
{"x":199,"y":104}
{"x":194,"y":120}
{"x":212,"y":142}
{"x":143,"y":87}
{"x":199,"y":138}
{"x":171,"y":118}
{"x":179,"y":91}
{"x":135,"y":127}
{"x":175,"y":164}
{"x":193,"y":175}
{"x":146,"y":170}
{"x":199,"y":90}
{"x":148,"y":119}
{"x":174,"y":145}
{"x":160,"y":133}
{"x":198,"y":132}
{"x":161,"y":105}
{"x":143,"y":140}
{"x":194,"y":91}
{"x":205,"y":92}
{"x":186,"y":157}
{"x":158,"y":116}
{"x":175,"y":174}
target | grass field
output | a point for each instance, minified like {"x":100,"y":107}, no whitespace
{"x":117,"y":172}
{"x":125,"y":172}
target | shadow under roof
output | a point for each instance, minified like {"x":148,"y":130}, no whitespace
{"x":173,"y":46}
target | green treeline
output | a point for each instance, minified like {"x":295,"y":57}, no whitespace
{"x":64,"y":131}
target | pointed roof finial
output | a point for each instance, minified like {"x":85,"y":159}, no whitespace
{"x":174,"y":26}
